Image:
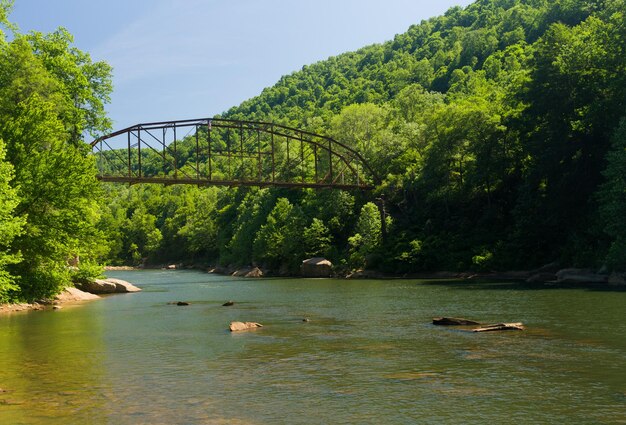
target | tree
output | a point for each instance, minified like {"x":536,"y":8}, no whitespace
{"x":143,"y":234}
{"x":279,"y":241}
{"x":87,"y":84}
{"x":199,"y":229}
{"x":612,"y":196}
{"x":58,"y":194}
{"x":368,"y":234}
{"x":10,"y":227}
{"x":316,"y":239}
{"x":45,"y":104}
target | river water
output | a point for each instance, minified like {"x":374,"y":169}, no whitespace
{"x":367,"y":355}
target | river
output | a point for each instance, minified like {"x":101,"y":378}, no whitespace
{"x":368,"y":354}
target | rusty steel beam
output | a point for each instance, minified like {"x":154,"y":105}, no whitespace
{"x":230,"y":156}
{"x":232,"y":183}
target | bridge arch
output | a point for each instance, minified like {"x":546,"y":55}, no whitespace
{"x":225,"y":152}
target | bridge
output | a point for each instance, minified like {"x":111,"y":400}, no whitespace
{"x":225,"y":152}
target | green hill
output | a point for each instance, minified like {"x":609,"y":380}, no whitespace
{"x":496,"y":128}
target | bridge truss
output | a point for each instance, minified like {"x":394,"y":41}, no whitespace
{"x":224,"y":152}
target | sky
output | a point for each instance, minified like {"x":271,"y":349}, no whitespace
{"x":180,"y":59}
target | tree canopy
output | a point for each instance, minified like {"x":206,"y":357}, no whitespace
{"x":51,"y":94}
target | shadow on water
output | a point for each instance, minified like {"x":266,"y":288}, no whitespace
{"x":520,"y":285}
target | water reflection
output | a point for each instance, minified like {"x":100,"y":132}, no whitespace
{"x":368,"y":355}
{"x":52,"y":368}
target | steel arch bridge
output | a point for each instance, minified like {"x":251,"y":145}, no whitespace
{"x":224,"y":152}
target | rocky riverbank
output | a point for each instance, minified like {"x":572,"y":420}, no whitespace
{"x":550,"y":274}
{"x":72,"y":295}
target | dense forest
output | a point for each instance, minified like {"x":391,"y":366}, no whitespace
{"x":498,"y":131}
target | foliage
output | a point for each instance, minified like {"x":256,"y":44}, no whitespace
{"x":50,"y":93}
{"x":10,"y":227}
{"x":492,"y":127}
{"x":368,"y":235}
{"x":612,"y":195}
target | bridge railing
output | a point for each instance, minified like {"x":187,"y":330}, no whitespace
{"x":216,"y":151}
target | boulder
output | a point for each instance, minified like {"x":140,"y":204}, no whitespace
{"x":453,"y":321}
{"x":316,"y":267}
{"x":248,"y":272}
{"x":122,"y":286}
{"x":221,"y":270}
{"x":365,"y":274}
{"x":241,"y":272}
{"x":255,"y":272}
{"x":243,"y":326}
{"x":108,"y":286}
{"x":98,"y":286}
{"x":579,"y":276}
{"x":74,"y":294}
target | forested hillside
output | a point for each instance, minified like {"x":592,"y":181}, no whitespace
{"x":498,"y":130}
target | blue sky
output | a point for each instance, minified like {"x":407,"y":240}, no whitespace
{"x":177,"y":59}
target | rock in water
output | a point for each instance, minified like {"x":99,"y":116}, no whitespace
{"x":255,"y":272}
{"x":316,"y":267}
{"x":108,"y":286}
{"x":453,"y":321}
{"x":500,"y":327}
{"x":182,"y":303}
{"x":243,"y":326}
{"x":74,"y":294}
{"x":121,"y":286}
{"x":228,"y":304}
